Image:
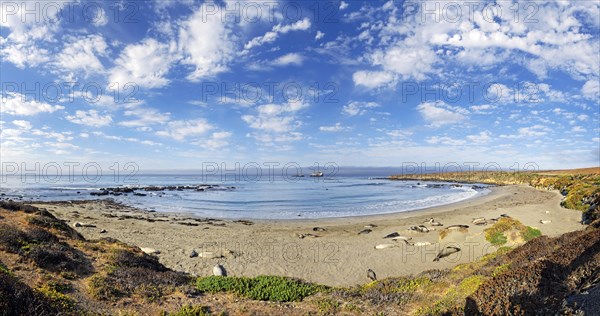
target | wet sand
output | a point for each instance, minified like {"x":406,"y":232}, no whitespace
{"x":339,"y":256}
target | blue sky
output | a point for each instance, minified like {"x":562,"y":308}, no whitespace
{"x":358,"y":83}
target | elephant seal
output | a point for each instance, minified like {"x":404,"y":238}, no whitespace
{"x":457,"y":227}
{"x":218,"y":270}
{"x":446,"y":252}
{"x":392,"y":235}
{"x":385,"y":246}
{"x":371,"y":275}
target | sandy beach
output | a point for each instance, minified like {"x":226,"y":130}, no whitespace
{"x":335,"y":256}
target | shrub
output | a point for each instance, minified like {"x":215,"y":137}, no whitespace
{"x":16,"y":298}
{"x":495,"y":234}
{"x":454,"y":299}
{"x":37,"y":235}
{"x":531,"y":233}
{"x":328,"y":306}
{"x":103,"y":289}
{"x":12,"y":239}
{"x":57,"y":299}
{"x":128,"y":272}
{"x":47,"y":220}
{"x":15,"y":206}
{"x":125,"y":258}
{"x":57,"y":257}
{"x":264,"y":288}
{"x":190,"y":311}
{"x":497,"y":238}
{"x":4,"y":269}
{"x":501,"y":269}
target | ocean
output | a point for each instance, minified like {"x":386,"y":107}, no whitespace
{"x":266,"y":198}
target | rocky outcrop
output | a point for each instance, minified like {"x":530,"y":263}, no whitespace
{"x":117,"y":191}
{"x":593,"y":212}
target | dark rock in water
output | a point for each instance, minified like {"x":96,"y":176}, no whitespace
{"x":140,"y":194}
{"x":435,"y":186}
{"x":101,"y":193}
{"x":194,"y":254}
{"x":243,"y":221}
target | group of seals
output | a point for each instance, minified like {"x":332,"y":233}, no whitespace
{"x":432,"y":222}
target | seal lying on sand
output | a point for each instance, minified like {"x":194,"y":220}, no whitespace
{"x":419,"y":228}
{"x":457,"y":227}
{"x":432,"y":222}
{"x":385,"y":246}
{"x":479,"y":221}
{"x":446,"y":252}
{"x":371,"y":275}
{"x":218,"y":270}
{"x":402,"y":238}
{"x":364,"y":231}
{"x":392,"y":235}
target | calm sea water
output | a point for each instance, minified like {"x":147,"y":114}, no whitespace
{"x":277,"y":198}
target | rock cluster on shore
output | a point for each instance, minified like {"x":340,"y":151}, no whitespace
{"x":117,"y":191}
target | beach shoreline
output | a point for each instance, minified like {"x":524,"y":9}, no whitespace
{"x":339,"y":256}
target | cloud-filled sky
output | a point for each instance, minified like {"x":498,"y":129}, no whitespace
{"x":173,"y":84}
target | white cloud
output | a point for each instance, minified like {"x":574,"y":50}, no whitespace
{"x":499,"y":93}
{"x":126,"y":139}
{"x":145,"y":64}
{"x":591,"y":89}
{"x":408,"y":59}
{"x":533,"y":131}
{"x":29,"y":27}
{"x":276,"y":122}
{"x":271,"y":36}
{"x":445,"y":140}
{"x":180,"y":130}
{"x":439,"y":113}
{"x":399,"y":133}
{"x":22,"y":124}
{"x":17,"y":104}
{"x":145,"y":117}
{"x":338,"y":127}
{"x":90,"y":118}
{"x":100,"y":18}
{"x":482,"y":109}
{"x":343,"y":5}
{"x":481,"y":138}
{"x":373,"y":79}
{"x":22,"y":55}
{"x":578,"y":129}
{"x":319,"y":35}
{"x":81,"y":54}
{"x":216,"y":141}
{"x":289,"y":59}
{"x":358,"y":108}
{"x":206,"y":43}
{"x":583,"y":117}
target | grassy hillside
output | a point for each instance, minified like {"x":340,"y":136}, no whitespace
{"x":48,"y":268}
